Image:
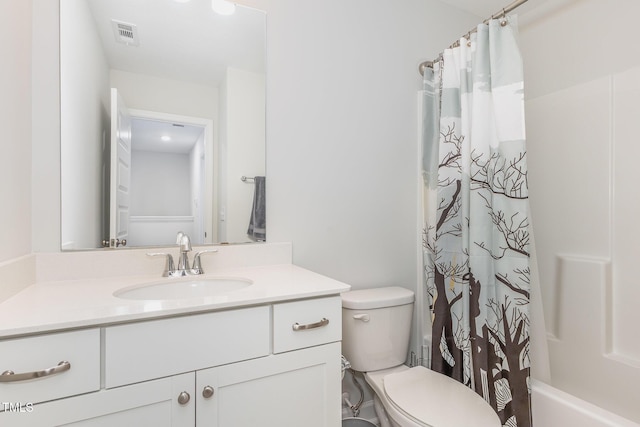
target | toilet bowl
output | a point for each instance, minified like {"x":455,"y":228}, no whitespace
{"x":376,"y":325}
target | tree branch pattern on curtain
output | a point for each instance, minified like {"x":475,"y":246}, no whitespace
{"x":476,"y":232}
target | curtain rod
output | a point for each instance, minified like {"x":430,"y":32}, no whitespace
{"x":502,"y":13}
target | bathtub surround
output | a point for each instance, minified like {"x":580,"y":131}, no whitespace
{"x":587,"y":278}
{"x":584,"y":201}
{"x":476,"y":233}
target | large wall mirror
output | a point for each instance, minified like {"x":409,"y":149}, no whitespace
{"x":162,"y":123}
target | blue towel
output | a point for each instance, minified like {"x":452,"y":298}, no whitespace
{"x":257,"y":222}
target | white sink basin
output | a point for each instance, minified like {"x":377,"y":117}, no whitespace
{"x":184,"y":288}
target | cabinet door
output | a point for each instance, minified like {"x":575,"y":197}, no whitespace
{"x":152,"y":403}
{"x":298,"y":388}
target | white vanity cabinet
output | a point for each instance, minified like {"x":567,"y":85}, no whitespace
{"x":298,"y":385}
{"x":268,"y":365}
{"x":150,"y":403}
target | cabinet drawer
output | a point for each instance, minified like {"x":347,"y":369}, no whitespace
{"x":37,"y":354}
{"x":159,"y":348}
{"x":306,"y":323}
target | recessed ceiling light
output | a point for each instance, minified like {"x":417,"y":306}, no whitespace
{"x":165,"y":138}
{"x":223,"y":7}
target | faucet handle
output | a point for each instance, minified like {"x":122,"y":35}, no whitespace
{"x":169,"y":267}
{"x":197,"y":265}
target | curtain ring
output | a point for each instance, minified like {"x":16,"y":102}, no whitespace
{"x":503,"y":21}
{"x":468,"y":37}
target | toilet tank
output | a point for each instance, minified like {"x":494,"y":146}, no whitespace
{"x":376,"y":326}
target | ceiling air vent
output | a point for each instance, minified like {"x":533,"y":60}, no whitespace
{"x":125,"y":33}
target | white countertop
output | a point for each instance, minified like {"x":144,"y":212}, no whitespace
{"x":66,"y":304}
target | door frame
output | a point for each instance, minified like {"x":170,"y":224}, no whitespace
{"x":211,"y":167}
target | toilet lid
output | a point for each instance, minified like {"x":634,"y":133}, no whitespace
{"x":437,"y":400}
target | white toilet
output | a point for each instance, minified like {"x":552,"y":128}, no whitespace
{"x":376,"y":324}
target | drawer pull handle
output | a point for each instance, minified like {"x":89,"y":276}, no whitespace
{"x":298,"y":327}
{"x":10,"y":376}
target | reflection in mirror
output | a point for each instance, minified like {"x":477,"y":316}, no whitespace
{"x":183,"y":73}
{"x":168,"y":182}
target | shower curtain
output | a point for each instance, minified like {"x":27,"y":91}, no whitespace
{"x":476,"y":229}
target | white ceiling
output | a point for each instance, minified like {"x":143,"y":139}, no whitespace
{"x":182,"y":41}
{"x":189,"y":42}
{"x":147,"y":136}
{"x":485,"y":8}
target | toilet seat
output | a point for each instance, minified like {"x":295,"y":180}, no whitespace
{"x":422,"y":396}
{"x":375,"y":380}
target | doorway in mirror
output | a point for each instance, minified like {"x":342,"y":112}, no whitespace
{"x":172,"y":176}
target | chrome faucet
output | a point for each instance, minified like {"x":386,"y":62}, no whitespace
{"x":183,"y":241}
{"x":183,"y":269}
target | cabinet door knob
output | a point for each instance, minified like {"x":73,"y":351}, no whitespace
{"x":207,"y":392}
{"x":183,"y":398}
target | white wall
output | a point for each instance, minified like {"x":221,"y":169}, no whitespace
{"x":45,"y":129}
{"x":15,"y":122}
{"x":161,"y":198}
{"x":160,"y":184}
{"x":85,"y":125}
{"x":341,"y":131}
{"x":582,"y":70}
{"x":150,"y":93}
{"x":243,"y":144}
{"x":143,"y":92}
